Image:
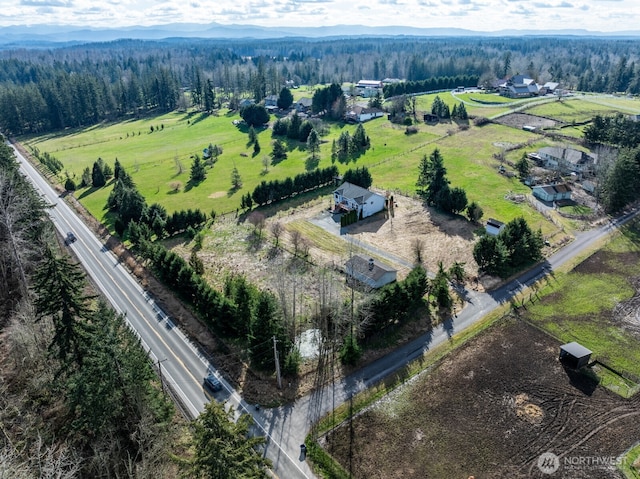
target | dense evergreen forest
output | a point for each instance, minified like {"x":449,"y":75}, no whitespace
{"x":42,"y":90}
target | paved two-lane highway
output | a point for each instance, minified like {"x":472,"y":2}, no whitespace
{"x":182,"y":364}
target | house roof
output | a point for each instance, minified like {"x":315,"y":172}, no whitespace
{"x":495,"y":223}
{"x":575,"y":157}
{"x":307,"y":102}
{"x":369,"y":84}
{"x":576,"y":350}
{"x":360,"y":265}
{"x":551,"y":85}
{"x":357,"y":193}
{"x":362,"y":110}
{"x":554,"y":189}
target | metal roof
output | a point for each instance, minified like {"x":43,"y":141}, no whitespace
{"x":576,"y":350}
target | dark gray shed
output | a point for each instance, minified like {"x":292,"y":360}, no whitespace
{"x":574,"y":355}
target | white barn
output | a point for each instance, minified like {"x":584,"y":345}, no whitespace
{"x":349,"y":197}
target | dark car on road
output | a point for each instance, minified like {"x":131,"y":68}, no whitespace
{"x":71,"y":238}
{"x":212,"y":383}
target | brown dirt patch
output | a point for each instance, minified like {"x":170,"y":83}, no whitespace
{"x":490,"y":410}
{"x":217,"y":194}
{"x":518,"y":120}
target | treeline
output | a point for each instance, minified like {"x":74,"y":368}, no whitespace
{"x":276,"y":190}
{"x":80,"y":396}
{"x":430,"y":84}
{"x":618,"y":166}
{"x":84,"y":399}
{"x":241,"y":313}
{"x":618,"y":130}
{"x":133,"y":215}
{"x":73,"y":86}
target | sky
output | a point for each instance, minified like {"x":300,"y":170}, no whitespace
{"x":478,"y":15}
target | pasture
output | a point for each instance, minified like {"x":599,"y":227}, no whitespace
{"x":159,"y":159}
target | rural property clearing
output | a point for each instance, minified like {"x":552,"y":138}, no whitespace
{"x":490,"y":410}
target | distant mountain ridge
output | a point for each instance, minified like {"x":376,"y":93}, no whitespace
{"x":45,"y":34}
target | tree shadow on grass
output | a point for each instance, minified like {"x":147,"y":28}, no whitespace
{"x":88,"y":192}
{"x":199,"y":118}
{"x":233,"y":190}
{"x":311,"y":163}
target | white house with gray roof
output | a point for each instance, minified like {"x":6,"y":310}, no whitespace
{"x":349,"y":197}
{"x":567,"y":160}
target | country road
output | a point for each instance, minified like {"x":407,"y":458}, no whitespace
{"x":184,"y":365}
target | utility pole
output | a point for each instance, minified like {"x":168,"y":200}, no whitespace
{"x":275,"y":353}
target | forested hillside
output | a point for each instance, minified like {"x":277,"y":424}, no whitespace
{"x":42,"y":90}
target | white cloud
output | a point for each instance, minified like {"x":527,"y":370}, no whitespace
{"x":597,"y":15}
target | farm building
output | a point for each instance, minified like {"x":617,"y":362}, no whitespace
{"x":369,"y":271}
{"x":494,"y":227}
{"x":574,"y":355}
{"x":552,"y":193}
{"x":349,"y":197}
{"x":369,"y":88}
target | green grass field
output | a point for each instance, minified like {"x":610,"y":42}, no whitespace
{"x":158,"y":159}
{"x":627,"y":467}
{"x":578,"y":306}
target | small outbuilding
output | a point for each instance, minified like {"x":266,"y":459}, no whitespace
{"x":574,"y":355}
{"x":369,"y":271}
{"x":494,"y":227}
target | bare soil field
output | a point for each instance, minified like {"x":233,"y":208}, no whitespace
{"x":489,"y":411}
{"x":518,"y":120}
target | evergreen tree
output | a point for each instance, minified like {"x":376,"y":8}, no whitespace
{"x":279,"y":150}
{"x":224,"y":449}
{"x":236,"y":180}
{"x":86,"y":178}
{"x":293,"y":131}
{"x":440,"y":288}
{"x":522,"y":166}
{"x":198,"y":173}
{"x":622,"y":182}
{"x":436,"y":177}
{"x":256,"y":147}
{"x":313,"y":144}
{"x":285,"y":99}
{"x":255,"y":115}
{"x":267,"y":323}
{"x":59,"y":286}
{"x":474,"y":212}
